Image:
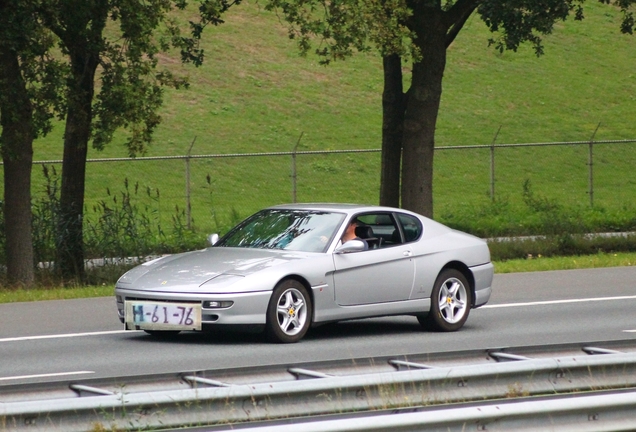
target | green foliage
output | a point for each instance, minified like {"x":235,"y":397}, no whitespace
{"x":539,"y":216}
{"x":124,"y":38}
{"x":117,"y":42}
{"x":183,"y":238}
{"x":121,"y":230}
{"x":545,"y":228}
{"x":45,"y":211}
{"x":210,"y":12}
{"x":345,"y":26}
{"x":3,"y":239}
{"x":565,"y":244}
{"x":126,"y":226}
{"x":520,"y":21}
{"x":131,"y":84}
{"x":42,"y":73}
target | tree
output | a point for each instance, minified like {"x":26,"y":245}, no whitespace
{"x":116,"y":41}
{"x":28,"y":83}
{"x":421,"y":31}
{"x":16,"y":115}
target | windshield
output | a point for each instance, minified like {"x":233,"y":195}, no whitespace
{"x":296,"y":230}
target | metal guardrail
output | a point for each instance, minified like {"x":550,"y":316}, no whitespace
{"x":601,"y":411}
{"x":410,"y":384}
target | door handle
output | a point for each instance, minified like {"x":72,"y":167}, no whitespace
{"x":407,"y":253}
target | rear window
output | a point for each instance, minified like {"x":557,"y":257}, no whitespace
{"x":411,"y":226}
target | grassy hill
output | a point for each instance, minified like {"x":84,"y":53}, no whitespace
{"x":255,"y":94}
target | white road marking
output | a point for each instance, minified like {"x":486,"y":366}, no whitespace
{"x":551,"y":302}
{"x":491,"y":306}
{"x":55,"y":336}
{"x":629,"y":331}
{"x":49,"y":375}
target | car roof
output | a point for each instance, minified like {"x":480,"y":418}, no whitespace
{"x":339,"y":207}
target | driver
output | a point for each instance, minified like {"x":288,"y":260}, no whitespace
{"x":350,"y":233}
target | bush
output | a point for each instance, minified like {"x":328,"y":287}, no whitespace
{"x":560,"y":245}
{"x":119,"y":231}
{"x":127,"y":225}
{"x":539,"y":216}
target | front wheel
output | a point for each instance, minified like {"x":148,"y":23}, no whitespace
{"x":450,"y":302}
{"x":289,"y":312}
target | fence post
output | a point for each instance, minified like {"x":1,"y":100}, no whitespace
{"x":293,"y":168}
{"x":188,"y":208}
{"x":590,"y":162}
{"x":492,"y":166}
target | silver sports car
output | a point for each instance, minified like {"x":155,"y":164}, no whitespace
{"x":288,"y":267}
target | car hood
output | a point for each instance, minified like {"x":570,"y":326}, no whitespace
{"x":194,"y":269}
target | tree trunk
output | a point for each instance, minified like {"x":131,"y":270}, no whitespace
{"x":16,"y":118}
{"x":393,"y":102}
{"x":422,"y":107}
{"x":70,"y":239}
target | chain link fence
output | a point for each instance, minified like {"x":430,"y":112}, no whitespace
{"x":211,"y":192}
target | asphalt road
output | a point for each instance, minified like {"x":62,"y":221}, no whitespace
{"x":75,"y":339}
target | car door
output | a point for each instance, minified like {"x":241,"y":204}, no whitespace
{"x":378,"y":275}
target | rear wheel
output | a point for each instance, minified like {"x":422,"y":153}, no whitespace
{"x":450,"y":302}
{"x":289,"y":312}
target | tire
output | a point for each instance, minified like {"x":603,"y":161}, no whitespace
{"x":450,"y":302}
{"x":289,"y":312}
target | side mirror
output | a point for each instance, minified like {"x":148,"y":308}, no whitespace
{"x":213,"y":238}
{"x":351,"y":246}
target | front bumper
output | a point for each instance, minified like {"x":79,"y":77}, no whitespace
{"x":247,"y":308}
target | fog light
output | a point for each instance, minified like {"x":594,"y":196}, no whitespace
{"x":217,"y":304}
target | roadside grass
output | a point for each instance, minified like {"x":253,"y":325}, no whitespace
{"x":540,"y":263}
{"x":528,"y":264}
{"x":16,"y":295}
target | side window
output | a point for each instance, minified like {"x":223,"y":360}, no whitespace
{"x":382,"y":227}
{"x":411,"y":226}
